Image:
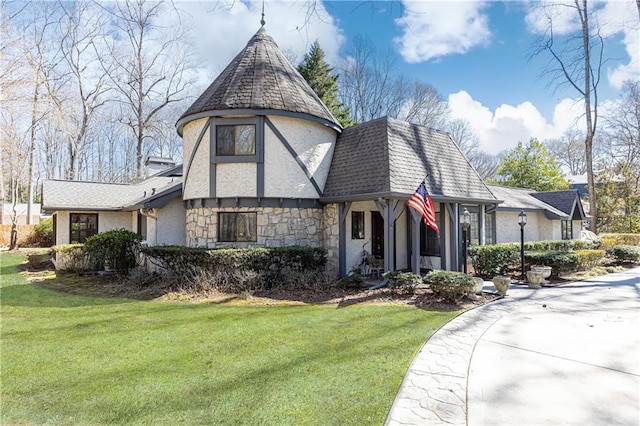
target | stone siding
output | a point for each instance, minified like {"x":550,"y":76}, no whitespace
{"x":332,"y":237}
{"x":276,"y":227}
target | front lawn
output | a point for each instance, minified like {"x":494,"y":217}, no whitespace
{"x":68,"y":359}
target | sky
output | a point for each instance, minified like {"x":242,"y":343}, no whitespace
{"x":477,"y":54}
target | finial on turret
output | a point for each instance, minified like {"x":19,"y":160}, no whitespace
{"x":262,"y":21}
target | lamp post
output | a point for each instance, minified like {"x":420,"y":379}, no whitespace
{"x":465,"y":221}
{"x":522,"y":221}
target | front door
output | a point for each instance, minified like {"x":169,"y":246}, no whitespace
{"x":377,"y":235}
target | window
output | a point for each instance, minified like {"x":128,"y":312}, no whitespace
{"x":142,"y":226}
{"x":429,"y":239}
{"x":82,"y":227}
{"x":357,"y":225}
{"x":237,"y":227}
{"x":234,"y":140}
{"x":489,"y":228}
{"x":566,"y":229}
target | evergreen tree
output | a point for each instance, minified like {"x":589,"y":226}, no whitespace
{"x":530,"y":166}
{"x":318,"y":74}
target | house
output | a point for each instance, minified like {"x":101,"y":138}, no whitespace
{"x":153,"y":208}
{"x":20,"y":213}
{"x":265,"y":163}
{"x":551,"y":215}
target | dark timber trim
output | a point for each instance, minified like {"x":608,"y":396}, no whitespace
{"x":294,"y":154}
{"x":301,"y":203}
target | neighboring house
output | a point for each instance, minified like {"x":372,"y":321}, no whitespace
{"x":20,"y":214}
{"x":266,"y":164}
{"x":153,"y":208}
{"x":551,"y":215}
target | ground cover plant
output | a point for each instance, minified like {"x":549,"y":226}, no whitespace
{"x":73,"y":359}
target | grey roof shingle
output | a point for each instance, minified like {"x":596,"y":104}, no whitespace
{"x":260,"y":77}
{"x":567,"y":201}
{"x":388,"y":156}
{"x":78,"y":195}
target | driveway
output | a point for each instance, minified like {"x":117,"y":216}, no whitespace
{"x":567,"y":355}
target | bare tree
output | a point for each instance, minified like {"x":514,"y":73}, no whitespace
{"x":148,"y":66}
{"x":81,"y":27}
{"x":577,"y":61}
{"x":424,"y":105}
{"x":569,"y":151}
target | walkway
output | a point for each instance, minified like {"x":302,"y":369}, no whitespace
{"x":559,"y":355}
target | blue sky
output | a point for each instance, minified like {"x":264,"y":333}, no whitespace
{"x":475,"y":53}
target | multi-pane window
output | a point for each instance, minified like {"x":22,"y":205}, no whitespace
{"x":83,"y":225}
{"x":429,"y":239}
{"x":357,"y":225}
{"x":237,"y":227}
{"x":566,"y":229}
{"x":234,"y":140}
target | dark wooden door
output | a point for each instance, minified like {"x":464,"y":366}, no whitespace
{"x":377,"y":235}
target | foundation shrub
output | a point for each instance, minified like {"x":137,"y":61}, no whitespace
{"x":244,"y":269}
{"x":560,"y":261}
{"x":589,"y":258}
{"x":496,"y":259}
{"x":449,"y":285}
{"x":623,"y":253}
{"x":403,"y":283}
{"x":118,"y":248}
{"x":73,"y":258}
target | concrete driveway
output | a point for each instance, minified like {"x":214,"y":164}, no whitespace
{"x":567,"y":355}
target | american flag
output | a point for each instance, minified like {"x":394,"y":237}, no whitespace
{"x":421,"y":202}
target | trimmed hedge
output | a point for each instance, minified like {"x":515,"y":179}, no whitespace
{"x":119,"y":248}
{"x":560,"y":261}
{"x":624,"y":253}
{"x":449,"y":285}
{"x":403,"y":282}
{"x":268,"y":267}
{"x":589,"y":258}
{"x":610,"y":240}
{"x":492,"y":260}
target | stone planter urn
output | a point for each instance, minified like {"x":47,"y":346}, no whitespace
{"x":545,"y":270}
{"x":502,"y":284}
{"x":534,"y":278}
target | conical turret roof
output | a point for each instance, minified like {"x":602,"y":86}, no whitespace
{"x":260,"y":78}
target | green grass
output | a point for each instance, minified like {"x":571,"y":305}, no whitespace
{"x":69,"y":359}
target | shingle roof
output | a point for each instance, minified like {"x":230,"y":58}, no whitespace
{"x":527,"y":199}
{"x":260,"y":77}
{"x":388,"y":156}
{"x":78,"y":195}
{"x":567,"y":201}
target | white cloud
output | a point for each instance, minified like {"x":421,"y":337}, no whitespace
{"x":431,"y":29}
{"x":613,"y":17}
{"x":221,"y":29}
{"x":506,"y":126}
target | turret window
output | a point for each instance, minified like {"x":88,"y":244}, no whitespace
{"x":237,"y":227}
{"x":236,"y":140}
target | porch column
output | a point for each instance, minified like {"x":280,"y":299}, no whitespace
{"x":481,"y":225}
{"x":343,"y":210}
{"x":453,"y":210}
{"x":415,"y":241}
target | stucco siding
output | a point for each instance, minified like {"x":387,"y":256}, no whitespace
{"x":106,"y":222}
{"x":313,"y":142}
{"x":355,"y":247}
{"x":236,"y":180}
{"x":197,"y":173}
{"x":170,"y":224}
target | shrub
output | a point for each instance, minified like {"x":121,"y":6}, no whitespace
{"x":403,"y":282}
{"x":449,"y":285}
{"x":41,"y":235}
{"x":245,"y":269}
{"x":351,"y":281}
{"x":559,"y":261}
{"x":492,"y":260}
{"x":589,"y":258}
{"x":624,"y":253}
{"x":610,"y":240}
{"x":118,"y":248}
{"x":73,"y":258}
